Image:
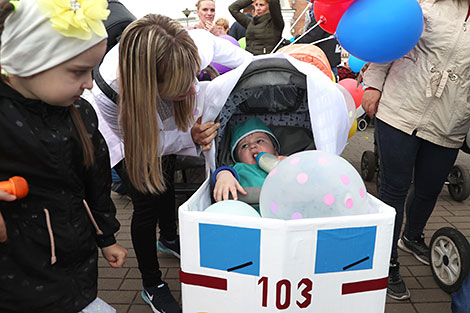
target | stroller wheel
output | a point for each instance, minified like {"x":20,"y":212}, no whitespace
{"x":368,"y":165}
{"x":459,"y":183}
{"x":450,"y":258}
{"x":362,"y":124}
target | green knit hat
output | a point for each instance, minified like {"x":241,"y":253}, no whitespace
{"x":246,"y":128}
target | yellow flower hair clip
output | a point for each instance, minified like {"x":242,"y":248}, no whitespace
{"x":76,"y":18}
{"x":14,"y":3}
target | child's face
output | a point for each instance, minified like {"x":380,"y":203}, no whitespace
{"x":253,"y":144}
{"x":64,"y":83}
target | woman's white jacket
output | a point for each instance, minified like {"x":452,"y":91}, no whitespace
{"x":173,"y":141}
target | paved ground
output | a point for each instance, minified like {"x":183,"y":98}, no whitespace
{"x":121,"y":288}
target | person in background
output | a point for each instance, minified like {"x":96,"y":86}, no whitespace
{"x":223,"y":25}
{"x":263,"y":31}
{"x":237,"y":31}
{"x":331,"y":47}
{"x":422,"y":107}
{"x":50,"y":137}
{"x":153,"y":119}
{"x":205,"y":10}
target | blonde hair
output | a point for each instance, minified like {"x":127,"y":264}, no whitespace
{"x":223,"y":22}
{"x":199,"y":2}
{"x":156,"y":57}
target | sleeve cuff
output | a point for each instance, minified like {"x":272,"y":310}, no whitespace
{"x":223,"y":168}
{"x":105,"y":241}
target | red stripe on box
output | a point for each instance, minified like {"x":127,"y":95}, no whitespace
{"x":366,"y":285}
{"x":203,"y":281}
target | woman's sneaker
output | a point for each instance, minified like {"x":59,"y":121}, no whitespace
{"x":396,"y":286}
{"x":169,"y":246}
{"x":417,"y":247}
{"x":160,"y":299}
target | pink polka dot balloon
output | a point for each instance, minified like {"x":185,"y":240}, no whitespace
{"x":313,"y":184}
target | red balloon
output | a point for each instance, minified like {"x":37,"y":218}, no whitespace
{"x":330,"y":12}
{"x":356,"y":91}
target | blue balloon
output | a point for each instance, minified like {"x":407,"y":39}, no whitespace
{"x":355,"y":64}
{"x":380,"y":31}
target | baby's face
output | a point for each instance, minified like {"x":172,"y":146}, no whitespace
{"x":253,"y":144}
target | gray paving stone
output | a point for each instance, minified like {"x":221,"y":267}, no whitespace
{"x":429,"y":295}
{"x":399,"y":308}
{"x":420,"y":270}
{"x":109,"y":283}
{"x":443,"y":307}
{"x":121,"y":308}
{"x":140,"y":308}
{"x":131,"y":284}
{"x":117,"y":296}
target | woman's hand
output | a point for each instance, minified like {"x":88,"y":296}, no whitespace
{"x":226,"y":183}
{"x":3,"y":228}
{"x":203,"y":134}
{"x":115,"y":255}
{"x":370,"y":101}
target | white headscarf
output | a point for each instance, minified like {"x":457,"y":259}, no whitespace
{"x":41,"y":34}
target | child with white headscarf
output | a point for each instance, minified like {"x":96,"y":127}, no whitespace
{"x":49,"y":136}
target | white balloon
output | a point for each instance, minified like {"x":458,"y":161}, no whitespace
{"x":313,"y":184}
{"x":232,"y":207}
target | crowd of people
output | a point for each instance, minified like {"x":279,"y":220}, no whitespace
{"x":50,"y":136}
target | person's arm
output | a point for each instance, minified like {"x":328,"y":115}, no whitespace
{"x":276,"y":14}
{"x":226,"y":183}
{"x":98,"y":190}
{"x":219,"y":50}
{"x":374,"y":79}
{"x":235,"y":9}
{"x":190,"y":142}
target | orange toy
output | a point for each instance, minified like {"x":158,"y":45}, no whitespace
{"x":16,"y":186}
{"x":310,"y":54}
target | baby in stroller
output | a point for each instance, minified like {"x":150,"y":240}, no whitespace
{"x":236,"y":260}
{"x":248,"y":139}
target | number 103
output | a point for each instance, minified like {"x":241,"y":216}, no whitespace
{"x":284,"y":291}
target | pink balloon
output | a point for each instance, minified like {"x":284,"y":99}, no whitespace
{"x":356,"y":91}
{"x":330,"y":12}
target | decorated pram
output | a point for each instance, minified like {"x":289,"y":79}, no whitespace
{"x":246,"y":264}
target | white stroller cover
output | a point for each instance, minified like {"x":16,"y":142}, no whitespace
{"x":327,"y":107}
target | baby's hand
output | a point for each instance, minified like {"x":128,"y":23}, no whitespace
{"x":226,"y":183}
{"x":115,"y":255}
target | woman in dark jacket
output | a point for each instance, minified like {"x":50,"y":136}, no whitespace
{"x":264,"y":31}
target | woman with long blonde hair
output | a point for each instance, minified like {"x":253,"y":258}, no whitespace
{"x":153,"y":71}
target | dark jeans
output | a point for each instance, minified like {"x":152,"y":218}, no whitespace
{"x":148,"y":209}
{"x":399,"y":155}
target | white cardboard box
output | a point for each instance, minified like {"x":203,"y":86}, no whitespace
{"x":233,"y":264}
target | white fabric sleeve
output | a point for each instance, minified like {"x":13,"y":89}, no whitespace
{"x":219,"y":50}
{"x":178,"y":142}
